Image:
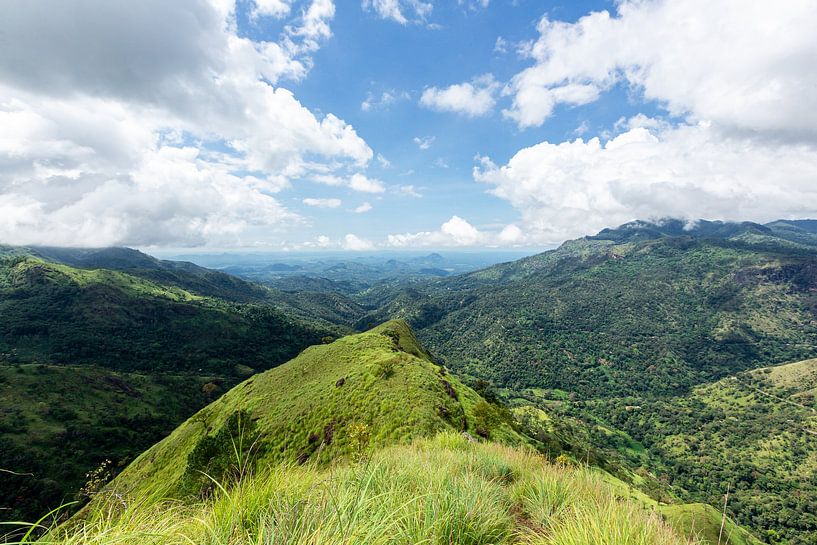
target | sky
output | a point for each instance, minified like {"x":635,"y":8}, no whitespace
{"x":398,"y":124}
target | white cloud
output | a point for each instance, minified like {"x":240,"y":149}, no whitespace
{"x":356,"y":244}
{"x":271,"y":8}
{"x":474,"y":5}
{"x":653,"y":170}
{"x":457,"y":232}
{"x":454,"y":232}
{"x":472,"y":99}
{"x":424,"y":142}
{"x":123,"y":89}
{"x":171,"y":197}
{"x":400,"y":11}
{"x":740,"y":142}
{"x":359,"y":182}
{"x":386,"y":99}
{"x":501,"y":45}
{"x":355,"y":182}
{"x":743,"y":66}
{"x":322,"y":203}
{"x":511,"y":235}
{"x":409,"y":191}
{"x":365,"y":207}
{"x":306,"y":34}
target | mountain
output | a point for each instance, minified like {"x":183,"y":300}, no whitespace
{"x":368,"y":440}
{"x":180,"y":274}
{"x":674,"y":311}
{"x":302,"y":410}
{"x":100,"y":363}
{"x":310,"y":300}
{"x":349,"y":276}
{"x":623,"y":330}
{"x":53,"y":313}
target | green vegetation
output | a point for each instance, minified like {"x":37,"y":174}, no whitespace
{"x":639,"y":351}
{"x":53,"y":313}
{"x":707,"y":523}
{"x":754,"y":434}
{"x":58,"y":423}
{"x":613,"y":335}
{"x":302,"y":411}
{"x":440,"y":490}
{"x":589,"y":317}
{"x":100,"y":364}
{"x":329,"y":449}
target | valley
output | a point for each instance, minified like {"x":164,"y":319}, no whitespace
{"x":657,"y":353}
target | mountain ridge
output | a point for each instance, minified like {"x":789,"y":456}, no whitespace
{"x":347,"y":413}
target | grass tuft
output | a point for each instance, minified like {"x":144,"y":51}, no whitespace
{"x":438,"y":491}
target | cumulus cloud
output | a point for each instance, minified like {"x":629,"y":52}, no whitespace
{"x":400,"y":11}
{"x":365,"y":207}
{"x":359,"y":182}
{"x":739,"y":141}
{"x":740,"y":65}
{"x":458,"y":232}
{"x":355,"y":182}
{"x":653,"y":170}
{"x":271,"y":8}
{"x":322,"y":203}
{"x":151,"y":123}
{"x":472,"y":99}
{"x":454,"y":232}
{"x":356,"y":244}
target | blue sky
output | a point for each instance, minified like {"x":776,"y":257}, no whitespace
{"x":394,"y":124}
{"x":369,"y":56}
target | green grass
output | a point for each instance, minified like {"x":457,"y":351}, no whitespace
{"x":704,"y":521}
{"x":302,"y":411}
{"x":442,"y":490}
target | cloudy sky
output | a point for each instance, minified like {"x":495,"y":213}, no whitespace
{"x":304,"y":124}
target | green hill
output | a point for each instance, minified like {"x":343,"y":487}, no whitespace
{"x":440,"y":490}
{"x":57,"y":423}
{"x":754,"y":433}
{"x":98,"y":364}
{"x":367,"y":441}
{"x":308,"y":303}
{"x":53,"y":313}
{"x":305,"y":410}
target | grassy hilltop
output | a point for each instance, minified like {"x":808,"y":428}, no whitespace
{"x":367,"y":441}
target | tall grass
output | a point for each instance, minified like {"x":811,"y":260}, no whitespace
{"x":438,"y":491}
